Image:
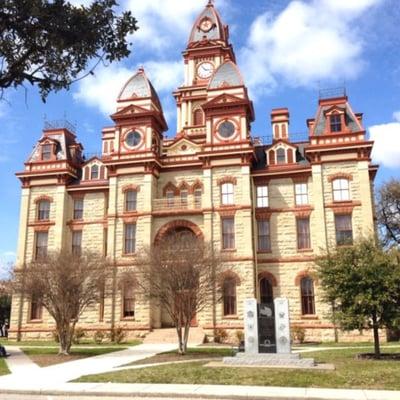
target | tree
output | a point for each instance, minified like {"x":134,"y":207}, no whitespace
{"x":363,"y":281}
{"x":388,"y":212}
{"x":64,"y":284}
{"x":51,"y":43}
{"x":179,"y":273}
{"x":5,"y":300}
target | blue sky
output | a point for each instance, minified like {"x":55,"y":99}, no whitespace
{"x":287,"y":50}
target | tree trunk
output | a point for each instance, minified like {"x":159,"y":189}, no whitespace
{"x":65,"y":333}
{"x":180,"y":339}
{"x":186,"y":337}
{"x":376,"y":336}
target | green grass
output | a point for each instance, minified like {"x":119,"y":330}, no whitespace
{"x":51,"y":343}
{"x":83,"y":352}
{"x":345,"y":344}
{"x":211,"y":351}
{"x":3,"y":367}
{"x":349,"y":373}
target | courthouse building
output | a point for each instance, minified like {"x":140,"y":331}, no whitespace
{"x":272,"y":205}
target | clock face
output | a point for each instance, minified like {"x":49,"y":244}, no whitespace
{"x":133,"y":139}
{"x":205,"y":70}
{"x":206,"y":25}
{"x":226,"y":129}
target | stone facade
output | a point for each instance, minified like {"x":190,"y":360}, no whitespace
{"x":211,"y":170}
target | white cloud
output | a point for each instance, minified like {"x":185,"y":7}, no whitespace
{"x":386,"y":149}
{"x":306,"y":43}
{"x":101,"y":90}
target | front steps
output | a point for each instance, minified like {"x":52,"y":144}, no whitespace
{"x":168,"y":335}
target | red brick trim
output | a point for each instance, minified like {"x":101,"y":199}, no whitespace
{"x":269,"y":276}
{"x":180,"y":223}
{"x":43,"y":198}
{"x":129,"y":219}
{"x":170,"y":186}
{"x":228,"y":212}
{"x":340,"y":175}
{"x":303,"y":274}
{"x":303,"y":213}
{"x":228,"y":274}
{"x":130,"y":187}
{"x":197,"y":185}
{"x":263,"y":213}
{"x":227,"y":179}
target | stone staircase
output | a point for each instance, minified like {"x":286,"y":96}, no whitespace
{"x":168,"y":335}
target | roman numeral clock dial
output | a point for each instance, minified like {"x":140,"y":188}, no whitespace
{"x":205,"y":70}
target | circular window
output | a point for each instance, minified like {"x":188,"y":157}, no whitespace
{"x":133,"y":138}
{"x":226,"y":129}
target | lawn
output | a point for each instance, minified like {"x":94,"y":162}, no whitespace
{"x":3,"y":367}
{"x":349,"y":373}
{"x":44,"y":356}
{"x":51,"y":343}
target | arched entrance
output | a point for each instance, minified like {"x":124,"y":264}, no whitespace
{"x":178,"y":228}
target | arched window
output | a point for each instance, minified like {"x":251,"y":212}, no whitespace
{"x":229,"y":295}
{"x":197,"y":198}
{"x":94,"y":172}
{"x":227,"y":194}
{"x":281,"y":156}
{"x":198,"y":117}
{"x":266,"y":292}
{"x":130,"y":200}
{"x":341,"y":189}
{"x":35,"y":309}
{"x":336,"y":123}
{"x":307,"y":296}
{"x":128,"y":305}
{"x":43,"y":210}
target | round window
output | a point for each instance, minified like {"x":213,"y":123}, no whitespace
{"x":226,"y":129}
{"x":133,"y":138}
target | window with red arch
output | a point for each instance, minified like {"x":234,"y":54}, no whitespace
{"x":266,"y":291}
{"x":198,"y":117}
{"x":307,"y":296}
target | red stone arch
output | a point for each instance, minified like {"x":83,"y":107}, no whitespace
{"x":180,"y":223}
{"x":269,"y":276}
{"x":43,"y":198}
{"x":305,"y":274}
{"x":229,"y":274}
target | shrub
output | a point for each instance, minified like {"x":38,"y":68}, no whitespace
{"x":118,"y":335}
{"x":298,"y":334}
{"x":240,"y":336}
{"x":220,"y":335}
{"x":79,"y":334}
{"x":98,"y":337}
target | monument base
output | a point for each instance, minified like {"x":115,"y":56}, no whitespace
{"x":270,"y":359}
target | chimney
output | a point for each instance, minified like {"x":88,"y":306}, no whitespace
{"x":280,"y":123}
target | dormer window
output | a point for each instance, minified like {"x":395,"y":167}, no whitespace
{"x":281,"y":156}
{"x":46,"y":152}
{"x":94,"y":172}
{"x":336,"y":123}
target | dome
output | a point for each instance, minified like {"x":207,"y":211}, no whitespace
{"x":226,"y":75}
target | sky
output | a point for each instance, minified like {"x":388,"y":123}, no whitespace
{"x":287,"y":50}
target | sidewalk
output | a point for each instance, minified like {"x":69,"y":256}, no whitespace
{"x":202,"y":391}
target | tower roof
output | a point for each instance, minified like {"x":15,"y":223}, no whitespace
{"x":226,"y":75}
{"x":208,"y":26}
{"x":138,"y":86}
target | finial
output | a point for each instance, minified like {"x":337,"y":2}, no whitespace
{"x":210,"y":3}
{"x":141,"y":69}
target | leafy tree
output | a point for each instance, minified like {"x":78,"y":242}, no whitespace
{"x":363,"y":281}
{"x":51,"y":43}
{"x":65,"y":285}
{"x":179,"y":273}
{"x":388,"y":211}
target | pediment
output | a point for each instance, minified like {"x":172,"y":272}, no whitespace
{"x":222,"y":99}
{"x":129,"y":110}
{"x":183,"y":146}
{"x":93,"y":161}
{"x":281,"y":143}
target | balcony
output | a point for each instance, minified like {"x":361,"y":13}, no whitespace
{"x":177,"y":203}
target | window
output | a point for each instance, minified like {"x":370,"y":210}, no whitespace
{"x":43,"y":210}
{"x":130,"y":200}
{"x":128,"y":302}
{"x":264,"y":236}
{"x":78,"y":209}
{"x":77,"y":243}
{"x":228,"y":233}
{"x":344,"y":230}
{"x":198,"y":117}
{"x":41,"y":245}
{"x":307,"y":296}
{"x":336,"y":122}
{"x":341,"y":190}
{"x":46,"y":152}
{"x":130,"y":238}
{"x":36,"y":309}
{"x":197,"y":198}
{"x":281,"y":156}
{"x":170,"y":198}
{"x":266,"y":292}
{"x":184,"y":198}
{"x":303,"y":233}
{"x":301,"y":193}
{"x":262,"y":196}
{"x":94,"y":172}
{"x":229,"y":295}
{"x":227,"y":194}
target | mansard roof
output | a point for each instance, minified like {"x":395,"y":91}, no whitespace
{"x":217,"y":32}
{"x":226,"y":75}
